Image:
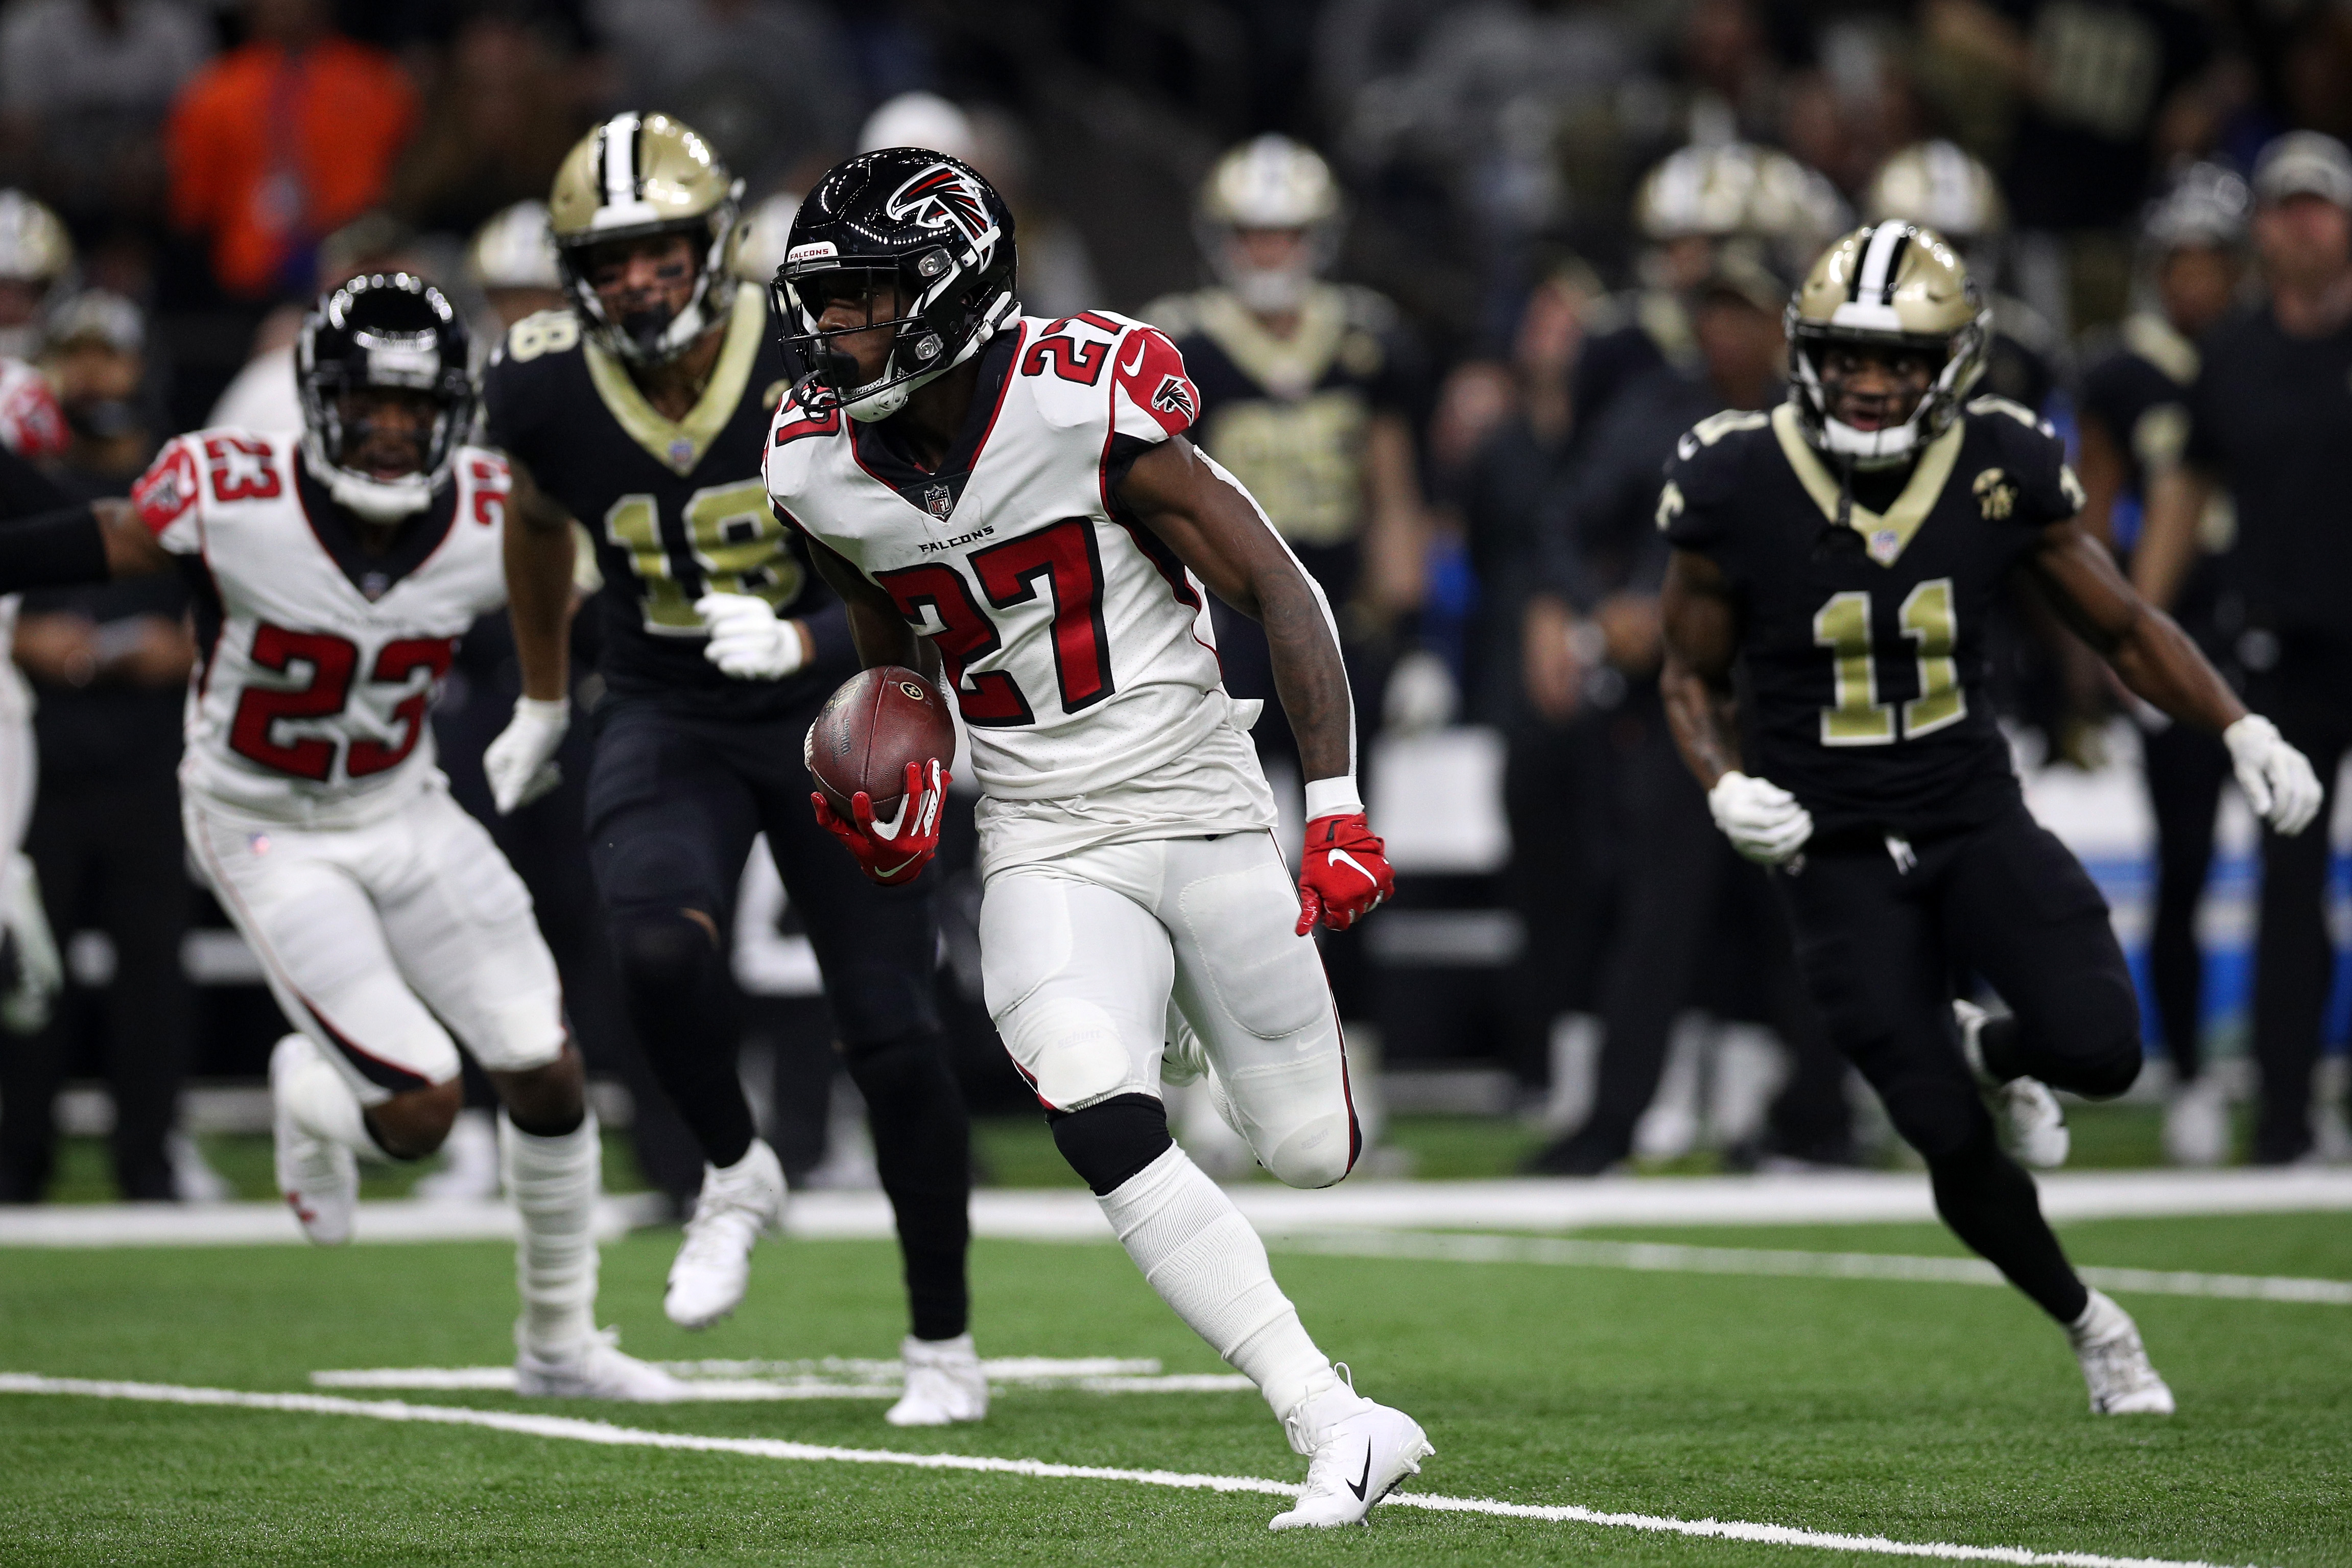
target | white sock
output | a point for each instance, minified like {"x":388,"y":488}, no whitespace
{"x":554,"y":1182}
{"x":1206,"y":1262}
{"x":2101,"y":1319}
{"x":321,"y":1103}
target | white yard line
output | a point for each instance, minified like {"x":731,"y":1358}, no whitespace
{"x":833,"y":1377}
{"x":1672,"y":1258}
{"x":571,"y":1429}
{"x":1071,"y":1215}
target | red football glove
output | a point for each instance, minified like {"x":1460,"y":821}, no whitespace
{"x":896,"y":851}
{"x":1345,"y":875}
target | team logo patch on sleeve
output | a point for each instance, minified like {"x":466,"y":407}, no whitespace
{"x":167,"y":489}
{"x":1175,"y":396}
{"x":1996,"y":497}
{"x":1151,"y":375}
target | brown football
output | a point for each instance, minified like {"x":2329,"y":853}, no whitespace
{"x":878,"y":722}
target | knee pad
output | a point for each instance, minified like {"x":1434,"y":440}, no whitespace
{"x":1071,"y":1051}
{"x":1108,"y":1142}
{"x":660,"y":947}
{"x":1316,"y":1154}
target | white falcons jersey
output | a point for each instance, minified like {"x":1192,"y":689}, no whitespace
{"x":31,"y":425}
{"x":1079,"y":646}
{"x":321,"y":661}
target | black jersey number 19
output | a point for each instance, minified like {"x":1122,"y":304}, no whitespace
{"x":1930,"y":619}
{"x":725,"y":540}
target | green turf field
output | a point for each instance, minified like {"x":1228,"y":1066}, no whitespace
{"x":1926,"y":1412}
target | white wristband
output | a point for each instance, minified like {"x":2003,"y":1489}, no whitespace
{"x":1333,"y":797}
{"x":556,"y":711}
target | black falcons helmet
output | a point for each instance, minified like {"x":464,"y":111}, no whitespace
{"x":921,"y":221}
{"x":383,"y":329}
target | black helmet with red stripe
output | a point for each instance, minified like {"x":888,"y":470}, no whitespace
{"x":930,"y":229}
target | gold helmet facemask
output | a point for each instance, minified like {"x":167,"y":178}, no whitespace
{"x":1889,"y":287}
{"x":634,"y":176}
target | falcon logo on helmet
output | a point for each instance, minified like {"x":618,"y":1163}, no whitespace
{"x":944,"y":196}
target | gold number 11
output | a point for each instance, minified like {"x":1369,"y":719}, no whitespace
{"x":1857,"y":718}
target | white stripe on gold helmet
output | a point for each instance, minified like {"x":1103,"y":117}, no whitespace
{"x":1269,"y":182}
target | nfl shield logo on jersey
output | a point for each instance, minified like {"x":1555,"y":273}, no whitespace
{"x":938,"y":500}
{"x":1885,"y":544}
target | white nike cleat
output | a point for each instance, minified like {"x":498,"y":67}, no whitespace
{"x":714,"y":1265}
{"x":2030,"y":1115}
{"x":319,"y":1179}
{"x":945,"y":1383}
{"x":2197,"y":1125}
{"x":2114,"y":1362}
{"x":1357,"y":1453}
{"x":595,"y":1369}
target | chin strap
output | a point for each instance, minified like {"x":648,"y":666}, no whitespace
{"x":377,"y":500}
{"x":872,"y":407}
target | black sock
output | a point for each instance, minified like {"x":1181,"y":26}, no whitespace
{"x":1990,"y":1203}
{"x":676,"y":993}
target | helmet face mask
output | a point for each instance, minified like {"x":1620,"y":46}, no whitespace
{"x":1891,"y":307}
{"x":918,"y":228}
{"x":639,"y":177}
{"x":382,"y":346}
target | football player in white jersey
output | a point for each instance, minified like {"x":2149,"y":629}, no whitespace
{"x":335,"y":570}
{"x":32,"y":427}
{"x":1005,"y":494}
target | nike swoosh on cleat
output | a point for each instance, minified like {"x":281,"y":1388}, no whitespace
{"x":1358,"y":1487}
{"x":1137,"y":364}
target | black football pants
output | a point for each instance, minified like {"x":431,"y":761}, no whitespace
{"x":2186,"y":769}
{"x":111,"y":856}
{"x":1881,"y":943}
{"x":2294,"y":962}
{"x":674,"y":801}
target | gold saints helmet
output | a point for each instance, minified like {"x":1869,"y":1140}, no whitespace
{"x":1269,"y":182}
{"x":1940,"y":187}
{"x":1891,"y":287}
{"x":636,"y":175}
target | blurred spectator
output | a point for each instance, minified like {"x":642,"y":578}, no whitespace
{"x":279,"y":141}
{"x":110,"y":665}
{"x":35,"y":258}
{"x":1599,"y":613}
{"x":84,"y":88}
{"x":766,"y":234}
{"x":1311,"y":394}
{"x":2270,"y":417}
{"x":503,"y":114}
{"x":262,"y":396}
{"x":768,"y":81}
{"x":2134,"y":423}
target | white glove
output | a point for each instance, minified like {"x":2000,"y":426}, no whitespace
{"x":2277,"y":779}
{"x":748,"y":640}
{"x":1762,"y":820}
{"x":522,"y":761}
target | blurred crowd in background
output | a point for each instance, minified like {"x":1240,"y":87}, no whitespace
{"x":1454,"y":277}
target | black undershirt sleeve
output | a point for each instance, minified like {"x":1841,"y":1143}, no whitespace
{"x":56,"y":549}
{"x":24,"y":489}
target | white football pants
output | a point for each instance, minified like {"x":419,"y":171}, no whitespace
{"x":374,"y":936}
{"x":1083,"y":957}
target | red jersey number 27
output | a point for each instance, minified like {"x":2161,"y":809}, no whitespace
{"x":1060,"y":561}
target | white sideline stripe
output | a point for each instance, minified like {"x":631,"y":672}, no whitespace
{"x":707,"y":1389}
{"x":1072,"y":1214}
{"x":1676,"y":1259}
{"x":573,"y":1429}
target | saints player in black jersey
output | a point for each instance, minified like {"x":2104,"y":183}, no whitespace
{"x":641,"y":413}
{"x":1839,"y":556}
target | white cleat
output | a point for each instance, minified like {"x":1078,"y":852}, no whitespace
{"x":2114,"y":1362}
{"x":595,"y":1370}
{"x":319,"y":1179}
{"x":2030,"y":1116}
{"x":1357,"y":1453}
{"x":945,"y":1383}
{"x":714,"y":1265}
{"x":2197,"y":1125}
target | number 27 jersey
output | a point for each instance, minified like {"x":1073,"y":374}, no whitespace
{"x":320,"y":661}
{"x":1078,"y":644}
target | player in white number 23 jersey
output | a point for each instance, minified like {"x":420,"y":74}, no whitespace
{"x":334,"y":571}
{"x":1014,"y":494}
